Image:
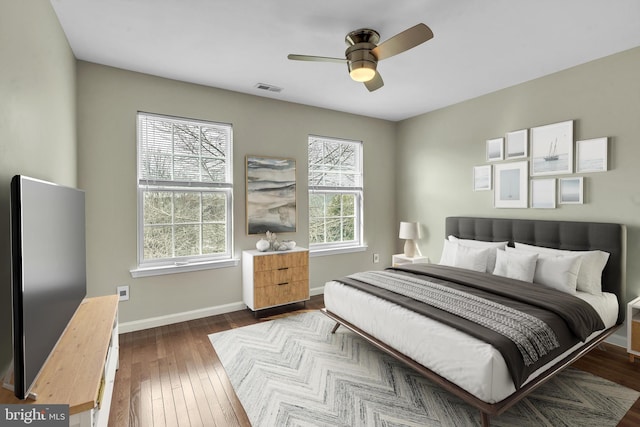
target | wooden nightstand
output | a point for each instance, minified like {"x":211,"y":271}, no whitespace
{"x":633,"y":329}
{"x":400,"y":259}
{"x":271,"y":279}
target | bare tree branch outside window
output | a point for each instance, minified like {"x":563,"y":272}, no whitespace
{"x":184,"y":178}
{"x":335,"y":191}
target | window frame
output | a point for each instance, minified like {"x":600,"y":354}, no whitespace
{"x":357,"y":244}
{"x":173,"y":264}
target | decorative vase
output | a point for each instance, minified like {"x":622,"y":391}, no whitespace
{"x":262,"y":245}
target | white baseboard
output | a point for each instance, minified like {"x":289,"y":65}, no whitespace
{"x":154,"y":322}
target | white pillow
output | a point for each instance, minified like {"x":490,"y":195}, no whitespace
{"x":591,"y":265}
{"x":555,"y":271}
{"x":516,"y":265}
{"x":494,"y":246}
{"x":455,"y":255}
{"x":472,"y":258}
{"x":448,"y":253}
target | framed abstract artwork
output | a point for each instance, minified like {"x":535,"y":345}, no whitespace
{"x":591,"y":155}
{"x":517,"y":144}
{"x":482,"y":178}
{"x":571,"y":190}
{"x":552,"y":149}
{"x":495,"y":149}
{"x":511,"y":185}
{"x":271,"y":195}
{"x":543,"y":193}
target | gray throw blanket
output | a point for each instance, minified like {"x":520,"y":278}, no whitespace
{"x":532,"y":336}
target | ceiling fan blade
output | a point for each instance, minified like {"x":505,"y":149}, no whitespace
{"x":316,"y":58}
{"x":375,"y":83}
{"x":405,"y":40}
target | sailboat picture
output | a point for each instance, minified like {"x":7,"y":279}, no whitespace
{"x":552,"y":149}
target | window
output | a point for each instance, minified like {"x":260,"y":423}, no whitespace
{"x":184,"y":191}
{"x":335,"y":193}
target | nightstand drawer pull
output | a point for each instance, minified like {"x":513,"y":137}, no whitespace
{"x":283,"y":283}
{"x":283,"y":268}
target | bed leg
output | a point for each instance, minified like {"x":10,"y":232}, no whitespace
{"x":485,"y":419}
{"x":335,"y":328}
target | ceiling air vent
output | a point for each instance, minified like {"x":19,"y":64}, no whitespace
{"x":270,"y":88}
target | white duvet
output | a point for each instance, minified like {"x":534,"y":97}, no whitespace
{"x":466,"y":361}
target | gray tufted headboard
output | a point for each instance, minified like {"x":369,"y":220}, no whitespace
{"x":569,"y":235}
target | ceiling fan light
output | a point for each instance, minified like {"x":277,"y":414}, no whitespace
{"x":362,"y":71}
{"x":362,"y":74}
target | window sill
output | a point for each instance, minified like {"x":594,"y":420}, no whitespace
{"x":172,"y":269}
{"x":336,"y":251}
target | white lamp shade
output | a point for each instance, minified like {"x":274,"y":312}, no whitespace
{"x":409,"y":230}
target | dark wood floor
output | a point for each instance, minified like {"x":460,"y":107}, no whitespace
{"x":171,"y":376}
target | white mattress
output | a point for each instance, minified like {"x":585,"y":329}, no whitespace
{"x":466,"y":361}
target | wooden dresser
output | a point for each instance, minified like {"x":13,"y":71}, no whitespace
{"x":271,"y":279}
{"x":81,"y":369}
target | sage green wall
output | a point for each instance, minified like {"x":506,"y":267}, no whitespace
{"x":437,"y":151}
{"x":108,"y":100}
{"x":37,"y":118}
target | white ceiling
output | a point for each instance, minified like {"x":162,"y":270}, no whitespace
{"x":478,"y":47}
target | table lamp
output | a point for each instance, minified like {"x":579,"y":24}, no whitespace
{"x":411,"y":232}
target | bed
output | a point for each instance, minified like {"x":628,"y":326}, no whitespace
{"x":459,"y":358}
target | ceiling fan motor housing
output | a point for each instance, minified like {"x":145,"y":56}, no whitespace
{"x":360,"y":56}
{"x":360,"y":59}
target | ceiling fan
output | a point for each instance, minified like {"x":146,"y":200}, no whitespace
{"x":363,"y":52}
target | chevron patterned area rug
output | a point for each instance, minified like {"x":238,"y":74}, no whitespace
{"x":294,"y":372}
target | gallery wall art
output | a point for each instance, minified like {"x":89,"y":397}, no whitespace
{"x":542,"y":152}
{"x":552,"y":149}
{"x":482,"y":178}
{"x":591,"y":155}
{"x":511,"y":185}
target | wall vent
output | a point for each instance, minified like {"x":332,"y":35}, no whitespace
{"x":267,"y":87}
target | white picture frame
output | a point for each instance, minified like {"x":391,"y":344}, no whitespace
{"x":543,"y":193}
{"x":482,"y":178}
{"x":552,"y":149}
{"x":517,"y":144}
{"x":495,"y":149}
{"x":571,"y":191}
{"x":511,"y":185}
{"x":591,"y":155}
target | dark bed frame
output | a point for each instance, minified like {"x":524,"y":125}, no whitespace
{"x":569,"y":235}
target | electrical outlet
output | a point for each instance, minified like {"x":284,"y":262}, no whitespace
{"x":376,"y":258}
{"x":123,"y":293}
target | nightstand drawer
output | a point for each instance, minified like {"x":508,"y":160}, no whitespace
{"x":268,"y":296}
{"x":280,"y":276}
{"x":279,"y":260}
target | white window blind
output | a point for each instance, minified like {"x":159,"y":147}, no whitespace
{"x":184,"y":190}
{"x":335,"y":193}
